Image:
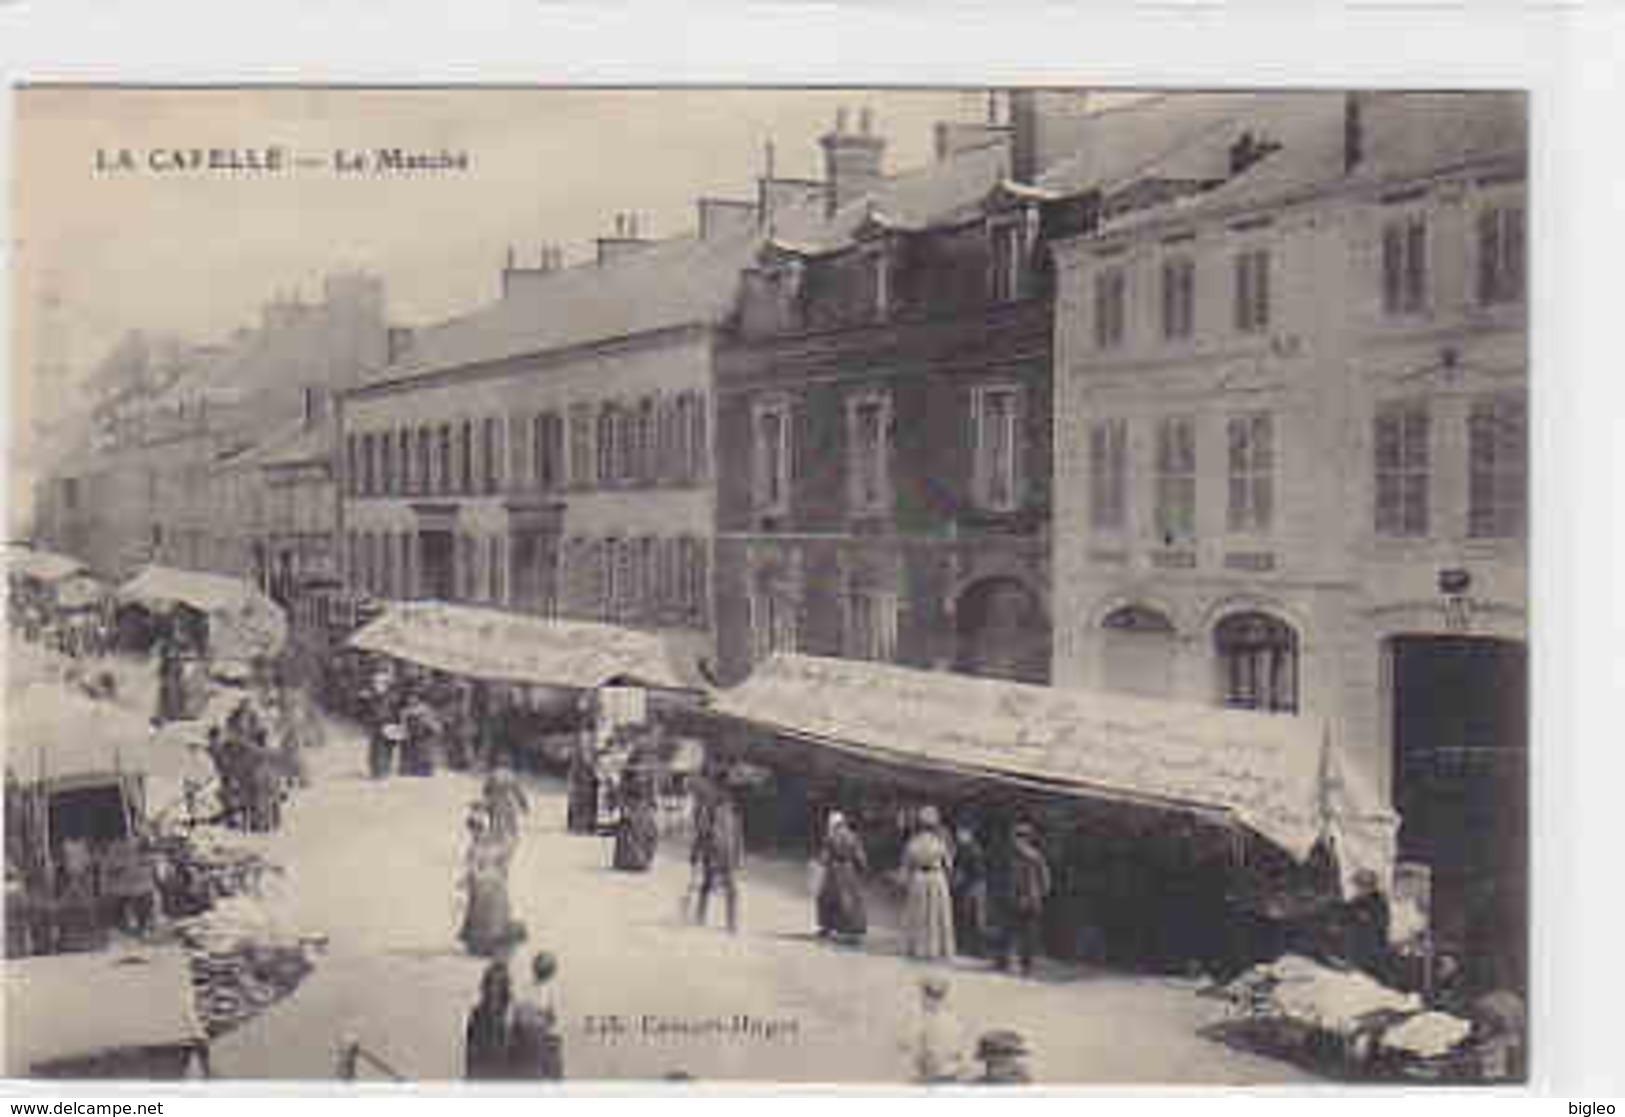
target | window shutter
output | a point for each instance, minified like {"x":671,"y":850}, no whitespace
{"x":1416,"y":243}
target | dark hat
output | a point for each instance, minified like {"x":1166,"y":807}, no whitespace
{"x":544,"y":966}
{"x":1001,"y":1044}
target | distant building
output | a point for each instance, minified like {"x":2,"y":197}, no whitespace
{"x":1291,"y":398}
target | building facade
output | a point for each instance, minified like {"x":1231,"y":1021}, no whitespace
{"x":883,"y":412}
{"x":1292,"y":434}
{"x":551,"y":453}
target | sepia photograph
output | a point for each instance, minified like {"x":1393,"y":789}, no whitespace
{"x":903,"y":586}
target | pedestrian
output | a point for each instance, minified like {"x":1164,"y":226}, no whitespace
{"x":535,"y":1047}
{"x":505,"y":800}
{"x":928,"y":920}
{"x":171,"y":701}
{"x":489,"y":929}
{"x":718,"y":852}
{"x":970,"y":892}
{"x":637,"y":836}
{"x":582,"y":812}
{"x":1003,"y":1055}
{"x":841,"y":910}
{"x":936,"y":1044}
{"x":129,"y":880}
{"x":485,"y":1037}
{"x":1028,"y":883}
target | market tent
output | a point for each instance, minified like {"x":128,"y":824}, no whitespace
{"x":70,"y":1008}
{"x":1263,"y":771}
{"x":243,"y":622}
{"x":55,"y":734}
{"x":41,"y":566}
{"x":512,"y":648}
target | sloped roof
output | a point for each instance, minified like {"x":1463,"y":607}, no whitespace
{"x":682,"y":281}
{"x":1404,"y":135}
{"x":291,"y":443}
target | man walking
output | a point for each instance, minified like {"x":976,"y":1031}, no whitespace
{"x":718,"y":852}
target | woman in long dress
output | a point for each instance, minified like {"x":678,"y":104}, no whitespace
{"x":485,"y":1037}
{"x":841,"y":911}
{"x":638,"y":835}
{"x":928,"y":913}
{"x":489,"y":928}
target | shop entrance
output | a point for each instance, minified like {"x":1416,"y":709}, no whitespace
{"x":1461,"y":787}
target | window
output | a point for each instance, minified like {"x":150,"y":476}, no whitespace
{"x":772,"y":458}
{"x":608,"y":432}
{"x":1178,"y":298}
{"x":1176,"y":480}
{"x":352,"y":551}
{"x":498,"y":579}
{"x":1005,"y":259}
{"x":1252,"y":473}
{"x":581,"y":450}
{"x":1253,"y":290}
{"x":774,"y":622}
{"x":444,"y":480}
{"x":468,"y":568}
{"x":491,"y":456}
{"x":696,"y":585}
{"x":403,"y":440}
{"x":1404,"y":265}
{"x":1110,"y":294}
{"x":623,"y":586}
{"x":645,"y":468}
{"x":1258,"y":658}
{"x":369,"y":473}
{"x":998,"y":447}
{"x":698,"y":446}
{"x":1400,"y":436}
{"x":1108,"y":474}
{"x":626,"y":436}
{"x":408,"y":587}
{"x":1497,"y":438}
{"x":868,"y":425}
{"x":425,"y":477}
{"x":648,"y":597}
{"x":465,"y":458}
{"x":1500,"y":255}
{"x":386,"y":464}
{"x":547,"y":448}
{"x":352,"y":466}
{"x":869,"y":630}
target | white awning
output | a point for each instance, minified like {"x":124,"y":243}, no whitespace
{"x":56,"y":734}
{"x":1263,"y":770}
{"x":510,"y":647}
{"x":243,"y":622}
{"x":41,"y":566}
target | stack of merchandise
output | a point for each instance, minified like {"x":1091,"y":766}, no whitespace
{"x":244,"y":959}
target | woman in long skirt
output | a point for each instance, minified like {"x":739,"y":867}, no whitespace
{"x":638,"y":835}
{"x":928,"y":912}
{"x":489,"y":928}
{"x":841,"y":910}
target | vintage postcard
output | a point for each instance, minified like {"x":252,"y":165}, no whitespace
{"x":903,"y":586}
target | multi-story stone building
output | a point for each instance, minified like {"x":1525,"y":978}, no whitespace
{"x":1291,"y":399}
{"x":885,"y":402}
{"x":551,"y":453}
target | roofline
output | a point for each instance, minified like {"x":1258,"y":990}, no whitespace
{"x":499,"y":367}
{"x":1290,"y":196}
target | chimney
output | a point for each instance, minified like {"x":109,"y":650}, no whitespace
{"x":852,"y":161}
{"x":720,"y":217}
{"x":1353,"y":131}
{"x":626,"y":240}
{"x":1024,"y":134}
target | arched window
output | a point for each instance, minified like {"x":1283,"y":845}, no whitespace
{"x":1258,"y":662}
{"x":1138,"y":652}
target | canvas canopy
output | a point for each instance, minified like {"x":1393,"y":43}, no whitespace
{"x":74,"y":1006}
{"x":41,"y":566}
{"x":1264,"y":771}
{"x":243,"y":622}
{"x":80,"y":591}
{"x":54,"y":734}
{"x":504,"y":647}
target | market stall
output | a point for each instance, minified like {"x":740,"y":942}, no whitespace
{"x":236,"y":620}
{"x":561,"y":694}
{"x":109,"y":1015}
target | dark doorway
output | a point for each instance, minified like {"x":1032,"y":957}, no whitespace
{"x":1003,"y":632}
{"x":439,"y":559}
{"x":1461,"y":736}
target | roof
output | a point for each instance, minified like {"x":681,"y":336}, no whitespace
{"x":293,"y":443}
{"x":55,"y":733}
{"x":678,"y":282}
{"x":510,"y":647}
{"x":243,"y":622}
{"x":73,"y":1006}
{"x":1405,"y":135}
{"x":1264,"y":770}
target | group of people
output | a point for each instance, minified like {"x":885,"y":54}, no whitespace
{"x":511,"y":1036}
{"x":937,"y":1052}
{"x":954,"y":901}
{"x":258,"y":761}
